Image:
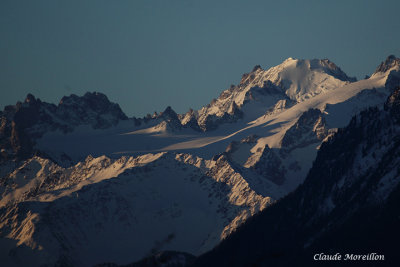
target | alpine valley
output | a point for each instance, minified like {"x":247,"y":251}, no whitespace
{"x":294,"y":160}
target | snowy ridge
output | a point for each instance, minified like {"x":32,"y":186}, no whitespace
{"x":82,"y":173}
{"x":310,"y":128}
{"x":349,"y":201}
{"x":102,"y":197}
{"x":269,"y":115}
{"x":37,"y":177}
{"x":294,"y":79}
{"x":391,"y":63}
{"x":25,"y":122}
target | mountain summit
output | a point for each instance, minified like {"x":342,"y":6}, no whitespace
{"x":348,"y":203}
{"x":301,"y":78}
{"x":391,"y":62}
{"x":294,"y":80}
{"x":82,"y":184}
{"x":24,"y":122}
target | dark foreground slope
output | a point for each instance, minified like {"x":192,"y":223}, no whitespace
{"x":348,"y":204}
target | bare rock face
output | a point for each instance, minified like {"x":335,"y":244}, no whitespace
{"x":348,"y":202}
{"x":310,"y":128}
{"x":171,"y":119}
{"x":24,"y":122}
{"x":280,"y":106}
{"x":393,"y":80}
{"x":147,"y":201}
{"x":67,"y":214}
{"x":295,"y":80}
{"x":331,"y":68}
{"x":92,"y":108}
{"x":189,"y":120}
{"x":390,"y":62}
{"x":393,"y":104}
{"x":268,"y":164}
{"x":211,"y":122}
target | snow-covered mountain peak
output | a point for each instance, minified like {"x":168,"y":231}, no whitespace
{"x":31,"y":98}
{"x":91,"y":102}
{"x":101,"y":198}
{"x":78,"y":187}
{"x":391,"y":63}
{"x":169,"y":113}
{"x":249,"y":77}
{"x":257,"y":67}
{"x":319,"y":65}
{"x":299,"y":79}
{"x":259,"y":90}
{"x":302,"y":78}
{"x":354,"y":181}
{"x":26,"y":121}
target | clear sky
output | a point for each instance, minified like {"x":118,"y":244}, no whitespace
{"x":148,"y":54}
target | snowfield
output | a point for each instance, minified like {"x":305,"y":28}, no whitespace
{"x":101,"y":187}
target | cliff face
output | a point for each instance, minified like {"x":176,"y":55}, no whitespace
{"x":188,"y":181}
{"x":347,"y":203}
{"x":24,"y":122}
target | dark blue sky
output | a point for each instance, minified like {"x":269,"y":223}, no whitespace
{"x":148,"y":54}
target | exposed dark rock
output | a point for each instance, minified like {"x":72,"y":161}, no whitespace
{"x":23,"y":123}
{"x":256,"y":67}
{"x":393,"y":104}
{"x":213,"y":121}
{"x":170,"y":117}
{"x":191,"y":121}
{"x":269,"y":165}
{"x":348,"y":204}
{"x":249,"y":77}
{"x":331,"y":68}
{"x":268,"y":88}
{"x":389,"y":63}
{"x":309,"y":128}
{"x":90,"y":109}
{"x":393,"y":80}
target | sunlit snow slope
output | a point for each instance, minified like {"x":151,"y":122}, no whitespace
{"x":83,"y":184}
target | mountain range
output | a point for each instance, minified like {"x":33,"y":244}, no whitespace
{"x":294,"y":160}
